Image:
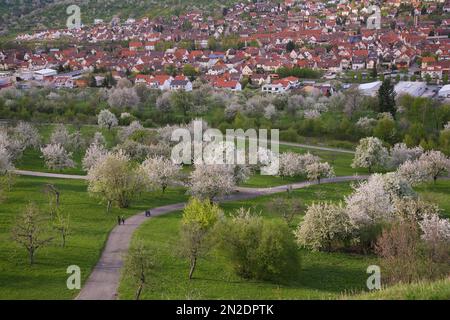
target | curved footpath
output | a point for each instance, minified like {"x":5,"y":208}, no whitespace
{"x":103,"y":282}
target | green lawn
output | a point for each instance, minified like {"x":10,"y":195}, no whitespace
{"x":322,"y":275}
{"x":90,"y":229}
{"x":32,"y":160}
{"x":340,"y":161}
{"x":436,"y":290}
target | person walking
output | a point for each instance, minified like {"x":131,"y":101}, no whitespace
{"x":119,"y":220}
{"x":123,"y":220}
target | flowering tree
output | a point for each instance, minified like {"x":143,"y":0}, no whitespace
{"x":60,"y":136}
{"x":123,"y":98}
{"x":160,"y":172}
{"x":27,"y":134}
{"x":114,"y":179}
{"x":159,"y":149}
{"x":165,"y":133}
{"x":311,"y":114}
{"x":241,"y":173}
{"x":209,"y":181}
{"x":98,"y":139}
{"x":5,"y":161}
{"x":400,"y":153}
{"x":319,"y":170}
{"x":107,"y":119}
{"x":324,"y":224}
{"x":414,"y":209}
{"x":56,"y":157}
{"x":429,"y":166}
{"x":127,"y":131}
{"x":13,"y":146}
{"x":293,"y":164}
{"x":270,"y":112}
{"x":135,"y":150}
{"x":94,"y":153}
{"x":256,"y":105}
{"x":435,"y":164}
{"x":295,"y":103}
{"x":413,"y":171}
{"x":366,"y":124}
{"x":435,"y":228}
{"x":370,"y":153}
{"x":163,"y":103}
{"x":373,"y":201}
{"x":232,"y":109}
{"x":76,"y":141}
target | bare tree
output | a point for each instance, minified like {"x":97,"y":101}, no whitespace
{"x":138,"y":263}
{"x":30,"y":232}
{"x":288,"y":208}
{"x":53,"y":197}
{"x":192,"y":244}
{"x":61,"y":224}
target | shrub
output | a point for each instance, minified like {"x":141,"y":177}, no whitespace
{"x":257,"y":248}
{"x":325,"y":226}
{"x":398,"y":246}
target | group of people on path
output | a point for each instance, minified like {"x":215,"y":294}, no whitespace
{"x":121,"y":219}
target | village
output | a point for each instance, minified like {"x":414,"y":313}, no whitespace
{"x":202,"y":155}
{"x":265,"y":46}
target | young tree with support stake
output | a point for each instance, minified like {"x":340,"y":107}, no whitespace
{"x":138,"y":264}
{"x":30,"y":231}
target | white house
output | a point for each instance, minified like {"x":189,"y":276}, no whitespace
{"x":185,"y":85}
{"x":44,"y":73}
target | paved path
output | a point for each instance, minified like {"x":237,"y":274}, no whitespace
{"x":308,"y":146}
{"x":49,"y":175}
{"x":104,"y":280}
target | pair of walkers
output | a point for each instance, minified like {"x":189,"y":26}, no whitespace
{"x":121,"y":219}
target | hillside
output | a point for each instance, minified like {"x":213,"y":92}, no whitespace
{"x":437,"y":290}
{"x":27,"y":15}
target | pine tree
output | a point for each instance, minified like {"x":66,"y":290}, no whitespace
{"x":386,"y":97}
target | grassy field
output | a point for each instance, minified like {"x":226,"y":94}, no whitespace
{"x":341,"y":163}
{"x":90,"y":228}
{"x":32,"y":159}
{"x":437,"y":290}
{"x":322,"y":275}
